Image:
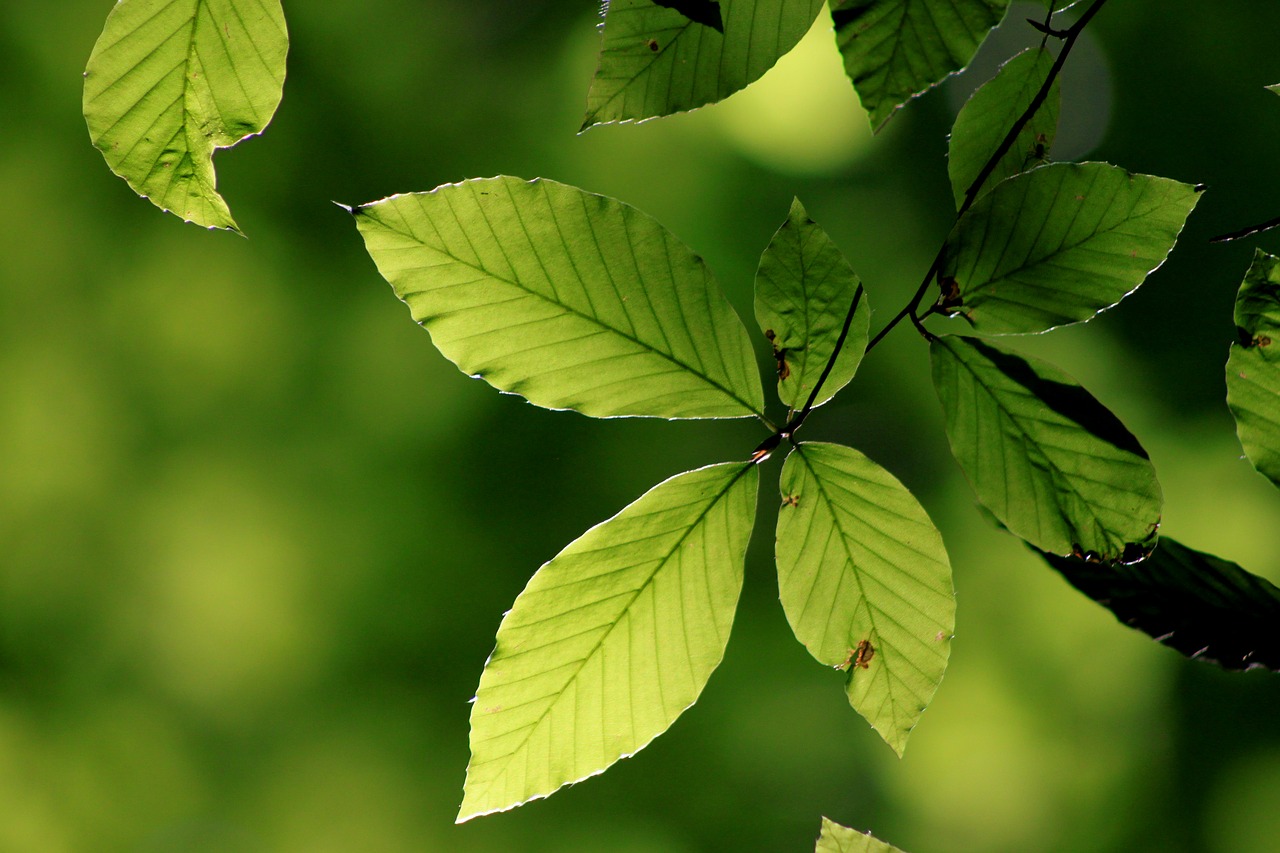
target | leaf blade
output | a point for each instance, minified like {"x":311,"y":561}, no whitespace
{"x":1203,"y":606}
{"x":841,"y":839}
{"x":895,"y":50}
{"x":986,"y":117}
{"x":1060,"y":244}
{"x":1253,"y":366}
{"x":804,"y":287}
{"x":1051,"y":463}
{"x":569,"y":299}
{"x":655,"y":61}
{"x":677,"y":550}
{"x":865,"y":581}
{"x":168,"y":83}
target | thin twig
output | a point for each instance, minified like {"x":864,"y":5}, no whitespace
{"x":1246,"y":232}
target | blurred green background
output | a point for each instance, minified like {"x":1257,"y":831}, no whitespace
{"x":256,"y":535}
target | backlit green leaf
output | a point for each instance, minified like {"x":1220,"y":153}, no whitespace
{"x":1059,"y":244}
{"x":896,"y":49}
{"x":1206,"y":607}
{"x":841,"y":839}
{"x":655,"y":61}
{"x":1253,"y":368}
{"x":170,"y":82}
{"x":611,"y":640}
{"x":987,"y":117}
{"x":1050,"y":462}
{"x":804,"y":288}
{"x":570,"y":299}
{"x":865,"y":583}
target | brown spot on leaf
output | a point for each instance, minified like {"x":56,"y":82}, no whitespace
{"x":779,"y":354}
{"x":652,"y":45}
{"x":863,"y":654}
{"x":951,"y":300}
{"x":791,"y":500}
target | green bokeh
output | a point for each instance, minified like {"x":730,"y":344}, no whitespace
{"x":257,"y":535}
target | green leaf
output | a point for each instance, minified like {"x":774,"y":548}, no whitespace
{"x":1253,"y":368}
{"x":1050,"y":462}
{"x":611,"y":640}
{"x":987,"y":117}
{"x":865,"y":583}
{"x":656,"y":61}
{"x":1275,"y":87}
{"x":896,"y":49}
{"x":804,"y":288}
{"x":1206,"y":607}
{"x":841,"y":839}
{"x":1060,"y":244}
{"x":170,"y":82}
{"x":570,"y":299}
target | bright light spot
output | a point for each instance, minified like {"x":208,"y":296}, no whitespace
{"x":803,"y":116}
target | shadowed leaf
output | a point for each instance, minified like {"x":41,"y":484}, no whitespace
{"x":1206,"y":607}
{"x":865,"y":583}
{"x":1060,"y":244}
{"x":171,"y":81}
{"x":987,"y":117}
{"x":804,"y":288}
{"x":705,"y":12}
{"x":1050,"y":462}
{"x":656,"y":61}
{"x":611,"y":640}
{"x":570,"y":299}
{"x":840,"y":839}
{"x":896,"y":49}
{"x":1253,"y":368}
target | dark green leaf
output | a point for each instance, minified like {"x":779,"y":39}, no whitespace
{"x":655,"y":61}
{"x":865,"y":583}
{"x":570,"y":299}
{"x":1050,"y":462}
{"x":1208,"y":608}
{"x":988,"y":116}
{"x":1253,"y":368}
{"x":1059,"y":244}
{"x":705,"y":12}
{"x":804,"y":288}
{"x":611,"y":640}
{"x":169,"y":83}
{"x":896,"y":49}
{"x":841,"y":839}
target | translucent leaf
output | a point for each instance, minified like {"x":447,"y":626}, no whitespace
{"x":1060,"y":244}
{"x":896,"y":49}
{"x":655,"y":61}
{"x":170,"y":82}
{"x":611,"y":640}
{"x":1206,"y":607}
{"x":569,"y":299}
{"x":804,"y":288}
{"x":1050,"y":462}
{"x":986,"y":118}
{"x":841,"y":839}
{"x":1253,"y":368}
{"x":865,"y":583}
